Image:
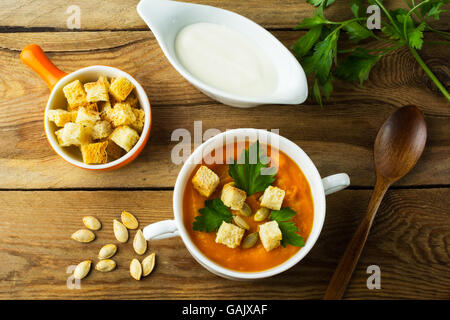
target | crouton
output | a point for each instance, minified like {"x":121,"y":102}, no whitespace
{"x":124,"y":137}
{"x":229,"y":235}
{"x":59,"y":116}
{"x":106,"y":110}
{"x":272,"y":198}
{"x":87,"y":117}
{"x":75,"y":95}
{"x":233,"y":197}
{"x":120,"y":88}
{"x":114,"y":151}
{"x":138,"y":125}
{"x":101,"y":129}
{"x":73,"y":115}
{"x":104,"y":81}
{"x":270,"y":235}
{"x":205,"y":181}
{"x":132,"y":100}
{"x":96,"y":91}
{"x":122,"y":115}
{"x":94,"y":152}
{"x":73,"y":134}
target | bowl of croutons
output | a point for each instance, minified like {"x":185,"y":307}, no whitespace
{"x":97,"y":117}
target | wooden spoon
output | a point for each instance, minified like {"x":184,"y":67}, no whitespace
{"x":398,"y":146}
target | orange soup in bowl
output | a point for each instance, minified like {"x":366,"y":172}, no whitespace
{"x":217,"y":192}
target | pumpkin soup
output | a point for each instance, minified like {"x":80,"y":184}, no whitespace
{"x":275,"y":210}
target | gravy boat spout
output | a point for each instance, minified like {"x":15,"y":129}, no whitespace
{"x":166,"y":18}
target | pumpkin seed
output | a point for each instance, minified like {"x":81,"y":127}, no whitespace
{"x":148,"y":264}
{"x":105,"y":265}
{"x":139,"y":243}
{"x":136,"y":269}
{"x":82,"y":269}
{"x":261,"y":214}
{"x":241,"y":222}
{"x":120,"y":231}
{"x":246,"y":210}
{"x":250,"y":240}
{"x":92,"y":223}
{"x":107,"y":251}
{"x":83,"y":235}
{"x":129,"y":220}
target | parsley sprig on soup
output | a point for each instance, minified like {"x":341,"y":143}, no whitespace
{"x":246,"y":215}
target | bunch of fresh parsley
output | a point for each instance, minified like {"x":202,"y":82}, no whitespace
{"x":320,"y":55}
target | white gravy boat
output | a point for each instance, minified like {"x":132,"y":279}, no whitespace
{"x":166,"y":18}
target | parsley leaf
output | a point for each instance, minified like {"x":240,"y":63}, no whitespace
{"x":288,"y":228}
{"x":317,"y":3}
{"x":305,"y":43}
{"x":415,"y":36}
{"x":247,"y":172}
{"x":357,"y":66}
{"x":212,"y":216}
{"x":357,"y":32}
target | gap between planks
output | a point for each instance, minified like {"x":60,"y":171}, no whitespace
{"x":414,"y":187}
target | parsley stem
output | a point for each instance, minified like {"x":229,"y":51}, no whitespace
{"x":429,"y":73}
{"x":409,"y":14}
{"x":343,"y":24}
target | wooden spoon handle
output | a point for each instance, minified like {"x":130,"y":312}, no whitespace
{"x":347,"y":264}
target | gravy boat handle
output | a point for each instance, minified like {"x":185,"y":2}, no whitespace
{"x":335,"y":183}
{"x":161,"y":230}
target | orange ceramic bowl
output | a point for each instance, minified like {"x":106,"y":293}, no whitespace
{"x":33,"y":56}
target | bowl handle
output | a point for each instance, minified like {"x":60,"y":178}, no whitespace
{"x":33,"y":56}
{"x":161,"y":230}
{"x":335,"y":183}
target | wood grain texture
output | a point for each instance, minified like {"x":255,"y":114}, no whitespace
{"x":120,"y":15}
{"x":409,"y":241}
{"x":338,"y":137}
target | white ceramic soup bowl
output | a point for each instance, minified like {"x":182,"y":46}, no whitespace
{"x":166,"y":18}
{"x":319,"y":188}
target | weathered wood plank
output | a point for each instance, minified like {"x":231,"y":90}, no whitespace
{"x":338,"y":137}
{"x":120,"y":15}
{"x":409,"y":242}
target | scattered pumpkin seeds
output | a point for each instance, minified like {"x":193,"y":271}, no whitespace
{"x":92,"y":223}
{"x":105,"y":265}
{"x":129,"y":220}
{"x":83,"y":235}
{"x":139,"y":243}
{"x":250,"y":240}
{"x":261,"y":214}
{"x":120,"y":231}
{"x":246,"y":210}
{"x":82,"y":269}
{"x":107,"y":251}
{"x":241,"y":222}
{"x":136,"y":269}
{"x":148,"y":264}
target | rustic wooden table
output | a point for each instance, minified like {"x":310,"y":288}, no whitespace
{"x":42,"y":198}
